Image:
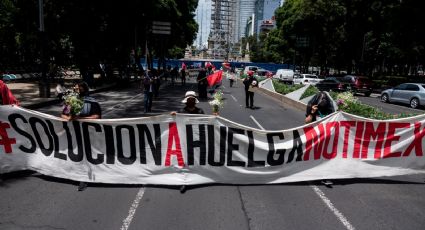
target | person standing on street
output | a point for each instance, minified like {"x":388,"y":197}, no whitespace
{"x":202,"y":84}
{"x":183,"y":76}
{"x":250,"y":83}
{"x":90,"y":110}
{"x":190,"y":102}
{"x":318,"y":107}
{"x":148,"y":88}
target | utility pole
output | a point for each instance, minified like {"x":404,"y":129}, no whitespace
{"x":44,"y":85}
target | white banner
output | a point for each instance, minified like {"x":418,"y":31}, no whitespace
{"x":195,"y":149}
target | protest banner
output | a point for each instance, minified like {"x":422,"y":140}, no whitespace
{"x":199,"y":149}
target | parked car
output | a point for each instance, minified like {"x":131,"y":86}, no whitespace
{"x":285,"y":75}
{"x":250,"y":68}
{"x":333,"y":84}
{"x":264,"y":73}
{"x":412,"y":94}
{"x":306,"y":79}
{"x":359,"y":84}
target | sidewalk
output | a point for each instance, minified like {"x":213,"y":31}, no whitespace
{"x":28,"y":94}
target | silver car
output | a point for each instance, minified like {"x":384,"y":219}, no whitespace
{"x":412,"y":94}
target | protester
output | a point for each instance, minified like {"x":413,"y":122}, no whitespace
{"x":250,"y":83}
{"x":148,"y":88}
{"x":6,"y":96}
{"x":60,"y":89}
{"x":202,"y":84}
{"x":190,"y":101}
{"x":174,"y":74}
{"x":183,"y":76}
{"x":320,"y":106}
{"x":90,"y":110}
{"x":156,"y":83}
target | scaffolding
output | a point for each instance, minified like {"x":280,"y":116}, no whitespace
{"x":223,"y":23}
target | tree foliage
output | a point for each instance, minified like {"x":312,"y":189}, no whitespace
{"x":368,"y":36}
{"x":82,"y":33}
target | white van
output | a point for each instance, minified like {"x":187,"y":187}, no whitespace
{"x":285,"y":75}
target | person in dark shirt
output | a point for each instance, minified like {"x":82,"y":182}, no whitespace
{"x":91,"y":110}
{"x":202,"y":84}
{"x":250,"y":83}
{"x":190,"y":100}
{"x":320,"y":105}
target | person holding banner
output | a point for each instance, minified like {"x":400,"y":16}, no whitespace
{"x":90,"y":110}
{"x":251,"y":84}
{"x":190,"y":101}
{"x":320,"y":106}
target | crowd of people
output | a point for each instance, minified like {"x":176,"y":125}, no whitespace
{"x":319,"y":106}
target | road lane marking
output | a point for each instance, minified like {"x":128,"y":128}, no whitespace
{"x":336,"y":212}
{"x":234,"y":98}
{"x":121,"y":103}
{"x":256,"y":122}
{"x":323,"y":197}
{"x":127,"y":221}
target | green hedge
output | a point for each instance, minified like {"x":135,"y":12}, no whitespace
{"x":310,"y":91}
{"x":284,"y":88}
{"x":348,"y":103}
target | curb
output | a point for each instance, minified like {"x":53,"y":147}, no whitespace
{"x":284,"y":99}
{"x":54,"y":101}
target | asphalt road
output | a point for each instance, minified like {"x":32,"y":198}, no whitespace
{"x":33,"y":201}
{"x":375,"y":101}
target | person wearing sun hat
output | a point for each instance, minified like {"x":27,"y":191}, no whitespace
{"x":191,"y":100}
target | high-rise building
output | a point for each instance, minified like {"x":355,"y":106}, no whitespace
{"x":203,"y":18}
{"x":246,"y":9}
{"x":264,"y":11}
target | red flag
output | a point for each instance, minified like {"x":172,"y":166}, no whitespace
{"x":215,"y":78}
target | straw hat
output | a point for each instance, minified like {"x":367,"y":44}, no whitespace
{"x":190,"y":94}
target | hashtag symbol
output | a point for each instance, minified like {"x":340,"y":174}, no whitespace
{"x":5,"y":140}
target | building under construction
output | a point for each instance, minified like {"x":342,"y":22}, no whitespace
{"x":223,"y":25}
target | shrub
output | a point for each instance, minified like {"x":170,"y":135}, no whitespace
{"x":284,"y":88}
{"x":348,"y":103}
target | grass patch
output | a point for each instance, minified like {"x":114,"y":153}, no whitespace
{"x":284,"y":88}
{"x":310,"y":91}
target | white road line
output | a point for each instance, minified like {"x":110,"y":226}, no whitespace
{"x":322,"y":196}
{"x":121,"y":103}
{"x":256,"y":122}
{"x":234,"y":98}
{"x":336,"y":212}
{"x":127,"y":221}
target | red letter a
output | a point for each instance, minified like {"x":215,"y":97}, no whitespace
{"x":173,"y":136}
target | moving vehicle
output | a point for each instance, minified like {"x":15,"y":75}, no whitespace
{"x":333,"y":84}
{"x":306,"y":79}
{"x":285,"y":75}
{"x":412,"y":94}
